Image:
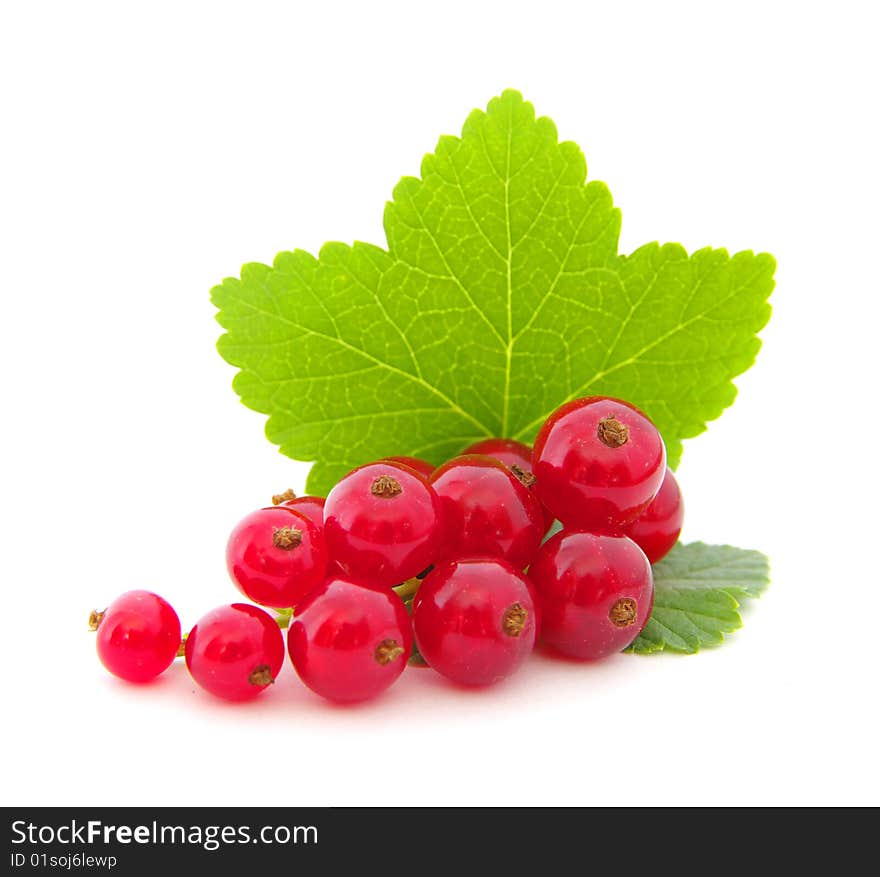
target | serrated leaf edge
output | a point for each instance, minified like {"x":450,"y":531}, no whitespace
{"x":645,"y":646}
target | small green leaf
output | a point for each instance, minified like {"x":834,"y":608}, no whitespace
{"x":501,"y":295}
{"x":698,"y":590}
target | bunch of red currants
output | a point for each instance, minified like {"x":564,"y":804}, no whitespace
{"x":454,"y":560}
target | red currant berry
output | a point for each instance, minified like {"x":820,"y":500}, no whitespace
{"x":511,"y":453}
{"x":138,"y":635}
{"x":235,"y":651}
{"x":657,"y":529}
{"x":487,"y":511}
{"x":382,"y":523}
{"x":595,"y":593}
{"x":475,"y":620}
{"x":598,"y":463}
{"x":310,"y":506}
{"x":276,"y":556}
{"x":349,"y":641}
{"x":423,"y":467}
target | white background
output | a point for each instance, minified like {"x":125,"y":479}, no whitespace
{"x":150,"y":149}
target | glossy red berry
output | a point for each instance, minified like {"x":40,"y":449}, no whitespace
{"x":511,"y":453}
{"x":235,"y":652}
{"x":598,"y":463}
{"x":423,"y":467}
{"x":382,"y":523}
{"x":276,"y":556}
{"x":475,"y":620}
{"x":138,"y":635}
{"x":657,"y":529}
{"x":310,"y":506}
{"x":487,"y":511}
{"x":595,"y":593}
{"x":349,"y":641}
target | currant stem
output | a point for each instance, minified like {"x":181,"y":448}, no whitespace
{"x":525,"y":478}
{"x":283,"y":617}
{"x":95,"y":619}
{"x":182,"y":650}
{"x":286,"y":496}
{"x":408,"y":588}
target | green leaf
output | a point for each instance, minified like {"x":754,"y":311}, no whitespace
{"x":501,"y":295}
{"x":698,"y":590}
